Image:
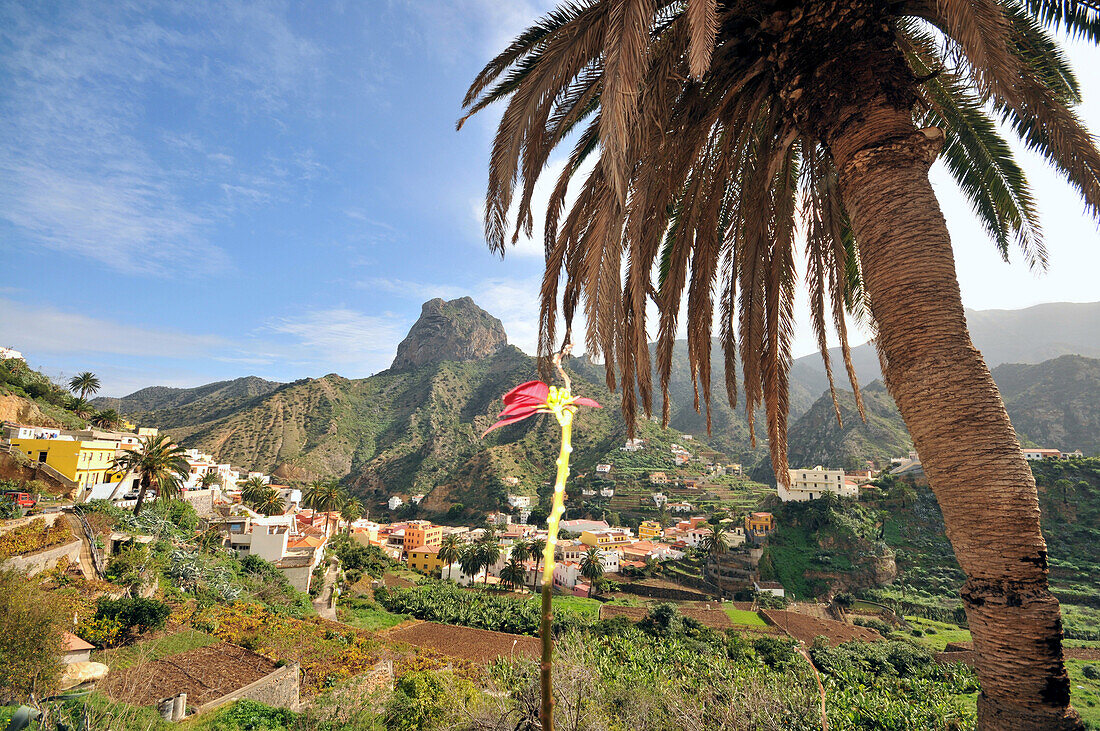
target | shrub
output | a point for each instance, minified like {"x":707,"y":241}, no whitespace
{"x":101,"y":631}
{"x":34,"y":536}
{"x":1091,"y":672}
{"x":134,"y":613}
{"x":30,"y":643}
{"x":249,"y":715}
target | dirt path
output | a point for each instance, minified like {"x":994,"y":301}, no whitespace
{"x":86,"y":566}
{"x":324,"y":605}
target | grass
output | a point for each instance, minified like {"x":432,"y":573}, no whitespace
{"x":365,"y":614}
{"x":153,"y":649}
{"x":579,"y":604}
{"x":744,"y":616}
{"x":1084,"y":693}
{"x":944,"y":633}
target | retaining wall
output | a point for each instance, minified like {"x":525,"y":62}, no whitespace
{"x":36,"y":563}
{"x":279,"y":689}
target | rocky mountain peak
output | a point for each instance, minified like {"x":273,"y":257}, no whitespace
{"x":454,"y":330}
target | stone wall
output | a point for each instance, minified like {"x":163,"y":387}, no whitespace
{"x":279,"y":689}
{"x":36,"y":563}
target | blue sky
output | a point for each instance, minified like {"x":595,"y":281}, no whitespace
{"x":197,"y":191}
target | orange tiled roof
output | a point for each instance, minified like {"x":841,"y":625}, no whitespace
{"x":74,"y":643}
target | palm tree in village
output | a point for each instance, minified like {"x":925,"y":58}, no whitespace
{"x":209,"y":480}
{"x":715,"y":545}
{"x":469,"y":560}
{"x":83,"y":384}
{"x":488,"y":552}
{"x":270,"y":503}
{"x":81,"y":408}
{"x":536,"y":546}
{"x":350,"y":511}
{"x":514,"y":573}
{"x":325,"y":496}
{"x":702,"y":130}
{"x":159,"y":465}
{"x":592,"y":567}
{"x":252,"y":490}
{"x":107,"y":419}
{"x":450,"y":549}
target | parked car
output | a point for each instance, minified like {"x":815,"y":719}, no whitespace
{"x":22,"y":499}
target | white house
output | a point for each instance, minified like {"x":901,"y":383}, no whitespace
{"x":607,"y":492}
{"x":603,"y":468}
{"x":9,"y":353}
{"x":769,"y":587}
{"x":519,"y":501}
{"x":1038,"y":455}
{"x":395,"y":502}
{"x":810,"y":484}
{"x":417,"y":498}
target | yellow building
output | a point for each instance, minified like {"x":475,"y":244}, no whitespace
{"x":759,"y":523}
{"x":426,"y":559}
{"x":421,"y":533}
{"x":649,"y":530}
{"x":84,"y":462}
{"x":607,"y":538}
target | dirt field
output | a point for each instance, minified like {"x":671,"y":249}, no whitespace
{"x":464,"y":643}
{"x":204,"y":674}
{"x":806,"y":628}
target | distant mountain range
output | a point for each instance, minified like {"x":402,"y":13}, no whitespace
{"x":415,"y":427}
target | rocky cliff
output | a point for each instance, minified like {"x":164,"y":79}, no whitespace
{"x":458,"y":330}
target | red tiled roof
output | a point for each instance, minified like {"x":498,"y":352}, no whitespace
{"x":75,"y":644}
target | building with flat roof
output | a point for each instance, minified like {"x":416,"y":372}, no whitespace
{"x":811,"y":484}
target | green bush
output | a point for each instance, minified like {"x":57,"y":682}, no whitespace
{"x":134,"y":613}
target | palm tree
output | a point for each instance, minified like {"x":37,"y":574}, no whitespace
{"x":521,"y":550}
{"x":252,"y":490}
{"x":107,"y":419}
{"x":84,"y":383}
{"x":81,"y":408}
{"x":537,"y":546}
{"x":449,"y":551}
{"x":209,"y":480}
{"x":712,"y":125}
{"x":325,"y":496}
{"x":488,"y":551}
{"x":715,"y":545}
{"x":470,"y":561}
{"x":351,"y":510}
{"x":160,"y":463}
{"x":514,"y":573}
{"x":591,"y":567}
{"x":270,"y":503}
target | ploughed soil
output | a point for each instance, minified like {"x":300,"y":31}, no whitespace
{"x":805,"y":628}
{"x":964,"y":652}
{"x":464,"y":643}
{"x":204,"y":674}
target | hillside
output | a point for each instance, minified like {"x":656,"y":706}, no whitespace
{"x":1031,"y":335}
{"x":1056,"y":402}
{"x":816,"y":437}
{"x":188,"y":405}
{"x":411,"y":429}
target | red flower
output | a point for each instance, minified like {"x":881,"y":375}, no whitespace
{"x":533,"y":397}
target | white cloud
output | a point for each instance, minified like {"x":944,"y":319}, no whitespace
{"x":343,"y":337}
{"x":37,"y":330}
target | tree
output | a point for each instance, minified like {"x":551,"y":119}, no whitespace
{"x":252,"y":490}
{"x":83,"y":384}
{"x":521,"y":550}
{"x":351,"y":511}
{"x":81,"y":408}
{"x":449,"y":551}
{"x":514,"y":573}
{"x":159,"y":464}
{"x":31,"y":643}
{"x":715,"y":125}
{"x":488,"y":552}
{"x":107,"y":419}
{"x":209,"y":480}
{"x":715,"y":545}
{"x":538,"y":546}
{"x":270,"y":502}
{"x":469,"y":560}
{"x":325,"y":496}
{"x":591,"y":567}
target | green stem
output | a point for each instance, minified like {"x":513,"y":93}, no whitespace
{"x":546,"y":711}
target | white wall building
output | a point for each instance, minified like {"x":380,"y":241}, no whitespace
{"x":807,"y":484}
{"x":9,"y":353}
{"x":395,"y":503}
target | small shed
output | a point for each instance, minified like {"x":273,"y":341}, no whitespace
{"x":76,"y":649}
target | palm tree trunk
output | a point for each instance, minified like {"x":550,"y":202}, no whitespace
{"x":141,"y":494}
{"x":954,"y":413}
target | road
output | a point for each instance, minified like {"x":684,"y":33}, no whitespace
{"x":324,"y":605}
